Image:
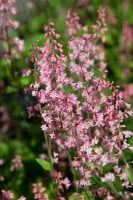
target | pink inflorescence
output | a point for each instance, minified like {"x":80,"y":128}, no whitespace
{"x":10,"y":46}
{"x":81,"y":111}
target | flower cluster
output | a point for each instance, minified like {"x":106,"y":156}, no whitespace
{"x":81,"y":111}
{"x":6,"y":194}
{"x":16,"y":163}
{"x":39,"y":192}
{"x":10,"y":46}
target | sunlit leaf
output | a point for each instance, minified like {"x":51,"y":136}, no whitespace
{"x":44,"y":164}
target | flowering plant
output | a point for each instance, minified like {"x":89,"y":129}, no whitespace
{"x":10,"y":45}
{"x":81,"y":112}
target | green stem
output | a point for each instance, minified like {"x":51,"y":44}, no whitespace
{"x":8,"y":41}
{"x":88,"y":194}
{"x":72,"y":170}
{"x":49,"y":149}
{"x":111,"y":186}
{"x":9,"y":53}
{"x":48,"y":143}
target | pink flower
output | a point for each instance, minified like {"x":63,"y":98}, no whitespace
{"x":109,"y":177}
{"x":21,"y":198}
{"x":66,"y":182}
{"x":7,"y":194}
{"x":26,"y":72}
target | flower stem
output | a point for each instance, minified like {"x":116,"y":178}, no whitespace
{"x":72,"y":170}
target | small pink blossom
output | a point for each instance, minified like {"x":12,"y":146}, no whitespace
{"x":66,"y":182}
{"x":44,"y":127}
{"x":109,"y":177}
{"x":26,"y":72}
{"x":21,"y":198}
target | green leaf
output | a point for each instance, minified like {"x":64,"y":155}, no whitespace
{"x":24,"y":81}
{"x":129,"y":171}
{"x":68,"y":89}
{"x":73,"y":197}
{"x":10,"y":90}
{"x":4,"y":149}
{"x":76,"y":196}
{"x":44,"y":164}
